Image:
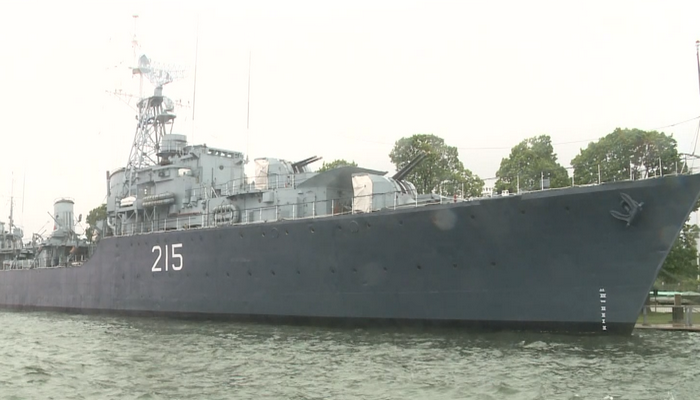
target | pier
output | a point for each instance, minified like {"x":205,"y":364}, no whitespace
{"x":674,"y":317}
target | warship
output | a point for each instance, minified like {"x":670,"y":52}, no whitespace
{"x":188,"y":234}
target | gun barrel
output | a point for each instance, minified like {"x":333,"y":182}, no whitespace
{"x":403,"y":172}
{"x":300,"y":164}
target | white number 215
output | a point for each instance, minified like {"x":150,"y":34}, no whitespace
{"x":173,"y":255}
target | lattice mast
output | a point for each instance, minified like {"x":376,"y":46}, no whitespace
{"x":155,"y":117}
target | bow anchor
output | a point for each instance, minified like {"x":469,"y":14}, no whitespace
{"x":632,"y":209}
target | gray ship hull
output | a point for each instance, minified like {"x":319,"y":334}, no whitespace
{"x":549,"y":260}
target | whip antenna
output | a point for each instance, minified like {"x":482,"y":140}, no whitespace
{"x":247,"y":119}
{"x":196,"y":54}
{"x":697,"y":57}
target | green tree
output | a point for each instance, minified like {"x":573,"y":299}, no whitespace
{"x":94,"y":216}
{"x":528,"y":163}
{"x":335,"y":164}
{"x":645,"y":153}
{"x":463,"y":183}
{"x":440,"y":172}
{"x":681,"y":263}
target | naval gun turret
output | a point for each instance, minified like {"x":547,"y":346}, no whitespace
{"x":376,"y":192}
{"x":272,"y":173}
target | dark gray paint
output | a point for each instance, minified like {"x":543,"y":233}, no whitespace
{"x":535,"y":261}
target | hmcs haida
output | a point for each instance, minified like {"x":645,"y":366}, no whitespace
{"x":187,"y":233}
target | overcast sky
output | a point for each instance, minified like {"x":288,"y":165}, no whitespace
{"x":334,"y":79}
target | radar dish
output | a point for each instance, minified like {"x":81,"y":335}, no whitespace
{"x":157,"y":75}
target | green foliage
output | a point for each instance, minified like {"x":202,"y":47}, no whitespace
{"x":94,"y":216}
{"x":622,"y":149}
{"x":681,"y":263}
{"x":440,"y":172}
{"x":529,"y":160}
{"x":335,"y":164}
{"x":463,"y":183}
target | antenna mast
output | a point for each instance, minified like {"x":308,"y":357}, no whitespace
{"x":136,"y":50}
{"x":196,"y":54}
{"x":697,"y":132}
{"x":247,"y":119}
{"x":697,"y":56}
{"x":12,"y":203}
{"x":155,"y":118}
{"x":24,"y":181}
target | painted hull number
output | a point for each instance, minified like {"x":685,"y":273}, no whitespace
{"x":174,"y":255}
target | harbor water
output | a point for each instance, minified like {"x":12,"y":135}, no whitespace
{"x":47,"y":355}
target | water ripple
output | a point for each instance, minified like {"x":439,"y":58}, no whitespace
{"x":59,"y":356}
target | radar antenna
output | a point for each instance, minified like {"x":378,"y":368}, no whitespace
{"x":158,"y":75}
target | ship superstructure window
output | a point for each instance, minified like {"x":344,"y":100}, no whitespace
{"x":225,"y":154}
